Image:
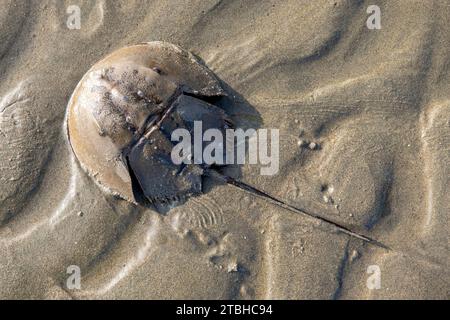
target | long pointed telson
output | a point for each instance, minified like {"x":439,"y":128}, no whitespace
{"x":263,"y":195}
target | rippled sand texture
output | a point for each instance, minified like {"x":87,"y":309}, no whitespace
{"x":376,"y":102}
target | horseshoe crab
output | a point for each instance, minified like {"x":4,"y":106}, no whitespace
{"x":121,"y":115}
{"x":122,"y":112}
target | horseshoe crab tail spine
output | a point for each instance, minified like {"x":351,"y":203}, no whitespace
{"x":273,"y":200}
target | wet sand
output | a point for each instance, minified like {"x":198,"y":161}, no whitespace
{"x":375,"y":102}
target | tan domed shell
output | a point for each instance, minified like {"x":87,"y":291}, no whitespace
{"x":112,"y":104}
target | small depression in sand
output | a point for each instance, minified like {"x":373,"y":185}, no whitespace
{"x":123,"y":111}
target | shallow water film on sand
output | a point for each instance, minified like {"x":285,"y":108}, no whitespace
{"x":175,"y":149}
